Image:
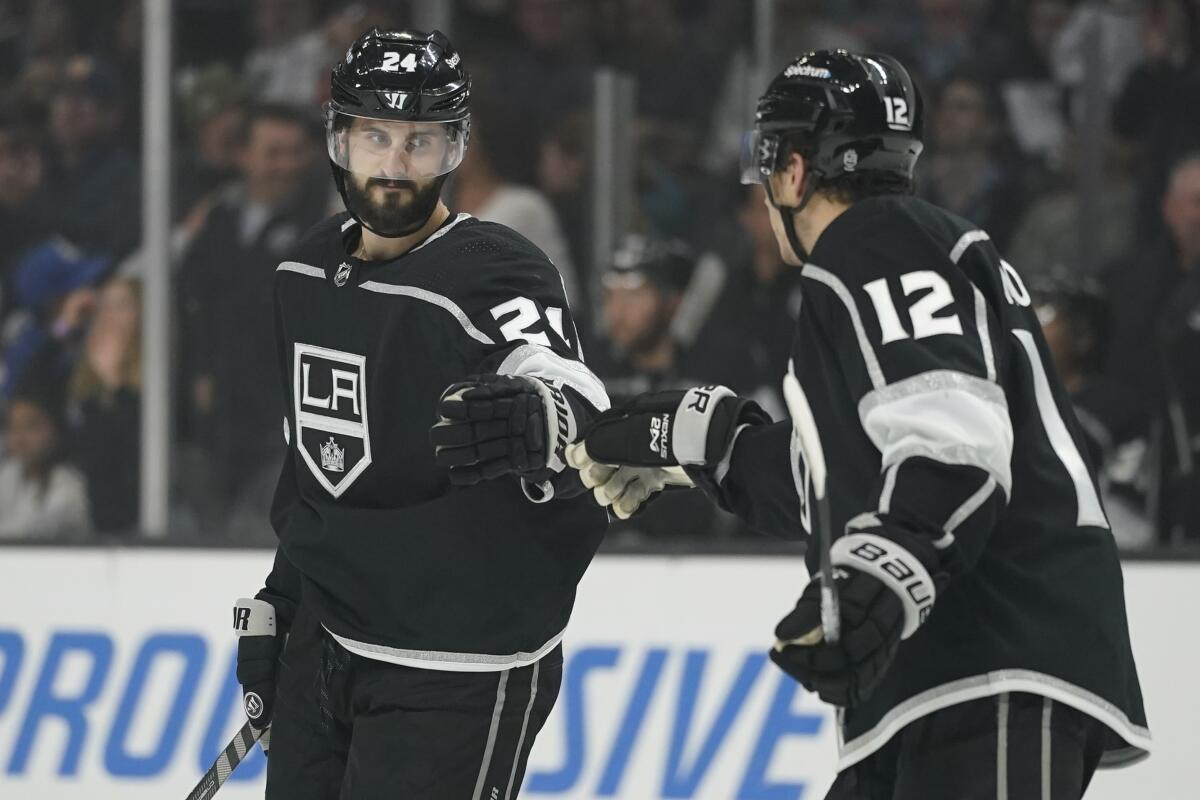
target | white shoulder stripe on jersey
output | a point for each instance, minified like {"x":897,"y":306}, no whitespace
{"x":442,"y":231}
{"x":966,"y":240}
{"x":868,"y":352}
{"x":430,"y":297}
{"x":943,"y":415}
{"x":348,"y":224}
{"x":302,"y":269}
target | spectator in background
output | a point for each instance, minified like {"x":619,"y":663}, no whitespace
{"x":966,"y":170}
{"x":564,"y":167}
{"x":1035,"y":103}
{"x":643,"y":290}
{"x":1072,"y":313}
{"x":22,"y":199}
{"x":213,"y":113}
{"x":1155,"y":341}
{"x":291,"y":56}
{"x":1158,"y":110}
{"x":41,"y":496}
{"x":94,"y":181}
{"x":677,"y":79}
{"x":482,"y":190}
{"x":948,"y":35}
{"x":55,"y":291}
{"x":758,"y":303}
{"x":547,"y":73}
{"x":105,"y":402}
{"x":1046,"y":242}
{"x":229,"y":413}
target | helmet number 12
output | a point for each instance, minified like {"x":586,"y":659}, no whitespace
{"x":896,"y":109}
{"x":392,"y":62}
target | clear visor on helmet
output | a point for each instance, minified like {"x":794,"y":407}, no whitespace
{"x":394,"y":150}
{"x":758,"y":155}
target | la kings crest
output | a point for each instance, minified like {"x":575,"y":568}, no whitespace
{"x":330,"y":391}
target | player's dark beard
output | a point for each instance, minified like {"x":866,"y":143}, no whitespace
{"x":399,"y":213}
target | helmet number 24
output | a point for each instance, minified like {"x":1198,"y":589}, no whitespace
{"x":392,"y":62}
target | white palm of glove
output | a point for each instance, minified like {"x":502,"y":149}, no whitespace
{"x":623,"y":489}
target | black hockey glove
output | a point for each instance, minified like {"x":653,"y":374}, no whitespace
{"x":885,"y":592}
{"x":493,"y":425}
{"x":261,"y":632}
{"x":672,"y":438}
{"x":689,"y":428}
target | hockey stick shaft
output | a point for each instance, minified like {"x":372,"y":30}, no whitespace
{"x":241,"y":744}
{"x":804,"y":427}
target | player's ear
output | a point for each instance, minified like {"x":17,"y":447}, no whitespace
{"x":787,"y":182}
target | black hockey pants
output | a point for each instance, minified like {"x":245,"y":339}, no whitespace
{"x":1012,"y":746}
{"x":352,"y":728}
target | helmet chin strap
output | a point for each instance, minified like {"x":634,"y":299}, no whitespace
{"x":787,"y":213}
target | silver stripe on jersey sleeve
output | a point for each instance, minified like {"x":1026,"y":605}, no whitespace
{"x":868,"y":352}
{"x":969,"y":507}
{"x":539,"y":361}
{"x":966,"y":240}
{"x":945,"y":415}
{"x":430,"y":297}
{"x":302,"y":269}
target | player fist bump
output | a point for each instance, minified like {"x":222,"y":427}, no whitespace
{"x":885,"y":591}
{"x":630,"y":453}
{"x":261,"y":630}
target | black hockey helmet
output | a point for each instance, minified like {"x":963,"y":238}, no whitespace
{"x":854,"y":113}
{"x":845,"y":112}
{"x":399,"y":110}
{"x":639,"y":259}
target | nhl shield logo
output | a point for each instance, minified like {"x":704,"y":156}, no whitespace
{"x":342,"y":275}
{"x":330,"y":391}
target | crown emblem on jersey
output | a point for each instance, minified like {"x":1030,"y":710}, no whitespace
{"x":333,"y":458}
{"x":343,"y":274}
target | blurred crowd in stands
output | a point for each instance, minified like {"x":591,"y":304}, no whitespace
{"x":1109,"y":244}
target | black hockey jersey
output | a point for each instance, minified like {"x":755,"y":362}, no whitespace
{"x":396,"y":563}
{"x":941,"y":415}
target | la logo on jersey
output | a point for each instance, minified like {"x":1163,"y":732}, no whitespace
{"x":330,"y":390}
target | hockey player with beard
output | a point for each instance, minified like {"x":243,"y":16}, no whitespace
{"x":984,"y":651}
{"x":420,"y":589}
